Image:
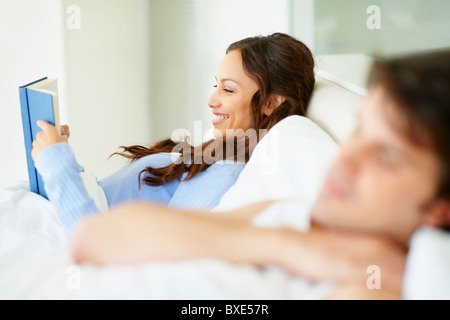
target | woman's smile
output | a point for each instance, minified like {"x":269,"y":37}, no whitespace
{"x":219,"y":118}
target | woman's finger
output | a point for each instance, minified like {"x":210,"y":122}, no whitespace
{"x":65,"y":131}
{"x":44,"y":125}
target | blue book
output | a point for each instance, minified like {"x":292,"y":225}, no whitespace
{"x":38,"y":101}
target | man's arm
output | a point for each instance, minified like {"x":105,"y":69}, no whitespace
{"x":140,"y":232}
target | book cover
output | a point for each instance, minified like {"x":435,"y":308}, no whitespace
{"x":38,"y":101}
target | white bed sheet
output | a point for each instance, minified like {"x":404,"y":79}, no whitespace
{"x":35,"y":264}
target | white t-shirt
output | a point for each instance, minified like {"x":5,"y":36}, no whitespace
{"x":290,"y":162}
{"x":294,"y":214}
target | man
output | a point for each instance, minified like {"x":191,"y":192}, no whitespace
{"x":391,"y":177}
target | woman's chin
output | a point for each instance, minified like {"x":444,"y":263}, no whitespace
{"x":218,"y":132}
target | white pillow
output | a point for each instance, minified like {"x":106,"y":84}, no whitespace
{"x":290,"y":162}
{"x":427,"y":272}
{"x":334,"y":108}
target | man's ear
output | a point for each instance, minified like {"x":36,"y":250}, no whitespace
{"x":273,"y":102}
{"x":438,"y":215}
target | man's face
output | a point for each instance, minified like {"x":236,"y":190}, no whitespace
{"x":381,"y":182}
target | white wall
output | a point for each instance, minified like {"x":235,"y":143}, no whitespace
{"x":108,"y":81}
{"x":404,"y":26}
{"x":303,"y":22}
{"x":31,"y":46}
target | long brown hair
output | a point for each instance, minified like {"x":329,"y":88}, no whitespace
{"x":281,"y":65}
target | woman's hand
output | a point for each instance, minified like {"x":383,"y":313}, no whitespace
{"x":48,"y":136}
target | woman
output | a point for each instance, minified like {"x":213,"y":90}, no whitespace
{"x":261,"y":81}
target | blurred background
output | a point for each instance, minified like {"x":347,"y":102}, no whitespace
{"x":134,"y":71}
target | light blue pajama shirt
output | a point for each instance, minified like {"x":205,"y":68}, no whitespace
{"x":65,"y":189}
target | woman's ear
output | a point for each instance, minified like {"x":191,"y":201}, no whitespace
{"x":273,"y":102}
{"x":438,"y":215}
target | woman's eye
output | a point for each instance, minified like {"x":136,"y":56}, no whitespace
{"x":225,"y":89}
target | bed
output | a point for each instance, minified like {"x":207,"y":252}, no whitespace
{"x":34,"y":249}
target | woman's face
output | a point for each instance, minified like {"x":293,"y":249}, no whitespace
{"x":231,"y":100}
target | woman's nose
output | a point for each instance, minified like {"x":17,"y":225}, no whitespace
{"x":213,"y":101}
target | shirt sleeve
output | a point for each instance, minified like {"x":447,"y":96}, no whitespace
{"x":63,"y":184}
{"x":204,"y":191}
